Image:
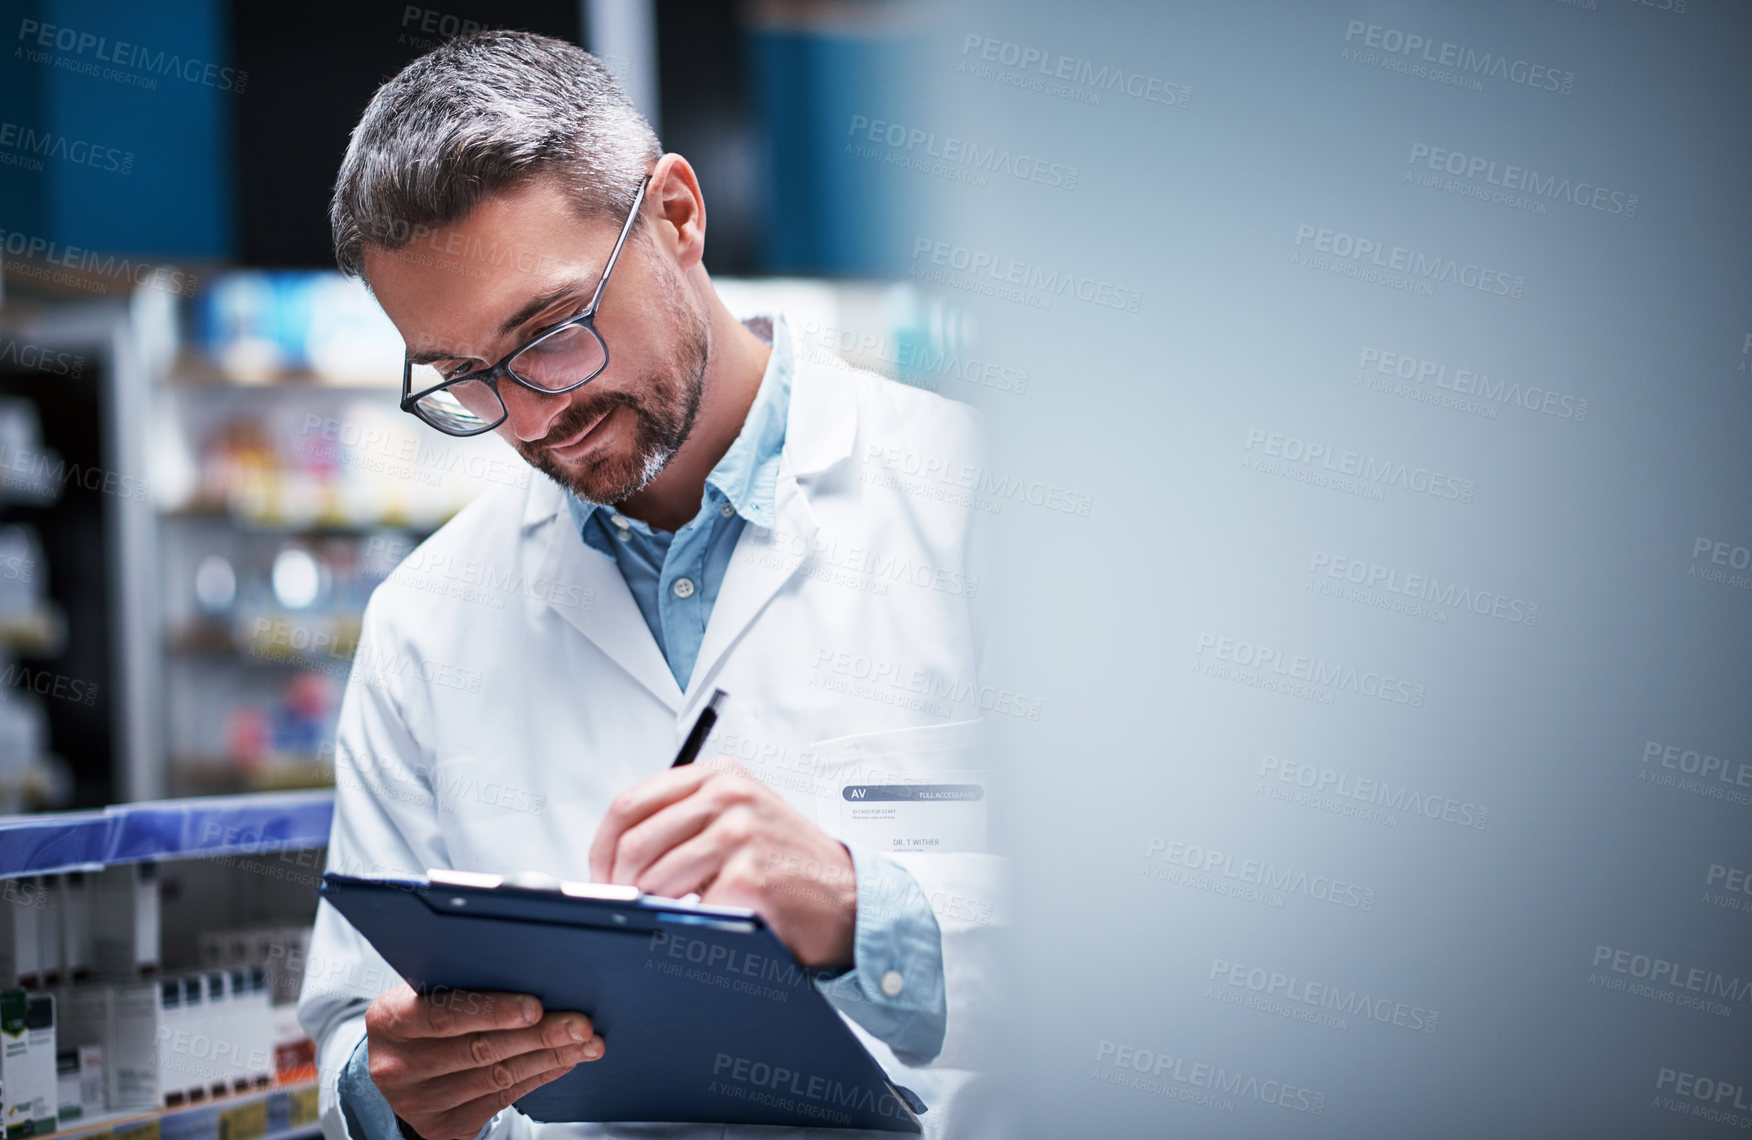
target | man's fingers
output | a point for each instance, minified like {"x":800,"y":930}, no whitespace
{"x":477,"y":1050}
{"x":464,"y":1087}
{"x":452,"y":1013}
{"x":393,"y":1010}
{"x":690,"y":867}
{"x":466,"y":1119}
{"x":634,"y":804}
{"x":648,"y":841}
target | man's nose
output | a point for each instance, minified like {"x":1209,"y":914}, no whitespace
{"x":528,"y":414}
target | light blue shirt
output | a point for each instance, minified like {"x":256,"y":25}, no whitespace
{"x":675,"y":577}
{"x":895,"y":935}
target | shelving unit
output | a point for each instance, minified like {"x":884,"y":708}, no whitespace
{"x":67,"y":527}
{"x":287,"y":485}
{"x":267,"y":1114}
{"x":198,"y":844}
{"x":197,"y":828}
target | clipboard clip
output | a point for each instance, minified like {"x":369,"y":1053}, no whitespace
{"x":533,"y":881}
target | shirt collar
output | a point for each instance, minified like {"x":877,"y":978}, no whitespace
{"x":748,"y":474}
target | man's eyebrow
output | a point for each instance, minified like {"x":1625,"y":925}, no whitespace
{"x":535,"y":305}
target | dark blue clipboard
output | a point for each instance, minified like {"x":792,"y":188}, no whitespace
{"x":707,"y":1016}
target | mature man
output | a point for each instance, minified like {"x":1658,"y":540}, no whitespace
{"x":713,"y":511}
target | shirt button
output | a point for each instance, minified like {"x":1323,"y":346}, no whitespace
{"x":620,"y":522}
{"x":726,"y":509}
{"x":893,"y":983}
{"x":684,"y":587}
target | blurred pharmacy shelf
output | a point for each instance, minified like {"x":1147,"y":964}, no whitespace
{"x":264,"y":1114}
{"x":41,"y":631}
{"x":286,"y":486}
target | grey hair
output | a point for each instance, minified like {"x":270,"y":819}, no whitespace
{"x":480,"y":115}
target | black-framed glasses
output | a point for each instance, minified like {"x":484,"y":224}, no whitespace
{"x":557,"y":360}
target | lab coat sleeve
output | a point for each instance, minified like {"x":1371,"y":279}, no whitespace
{"x":968,"y":891}
{"x":963,"y":896}
{"x":385,"y":823}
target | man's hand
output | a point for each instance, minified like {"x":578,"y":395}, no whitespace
{"x":447,"y":1062}
{"x":713,"y":830}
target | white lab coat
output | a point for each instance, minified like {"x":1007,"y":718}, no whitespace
{"x":506,"y":687}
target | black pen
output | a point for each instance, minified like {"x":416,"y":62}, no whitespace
{"x":696,"y":738}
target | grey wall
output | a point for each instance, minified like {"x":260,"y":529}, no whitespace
{"x":1374,"y":529}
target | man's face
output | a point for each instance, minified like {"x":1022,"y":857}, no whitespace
{"x":465,"y":295}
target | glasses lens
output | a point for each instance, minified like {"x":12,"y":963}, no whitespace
{"x":561,"y":360}
{"x":461,"y":409}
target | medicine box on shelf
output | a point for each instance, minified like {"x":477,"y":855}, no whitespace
{"x":27,"y":1063}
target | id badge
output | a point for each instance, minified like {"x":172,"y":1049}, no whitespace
{"x":902,"y":812}
{"x":904,"y":790}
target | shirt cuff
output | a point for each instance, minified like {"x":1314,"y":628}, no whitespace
{"x":895,"y":987}
{"x":368,"y":1115}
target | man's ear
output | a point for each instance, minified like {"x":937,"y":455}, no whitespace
{"x":680,"y":210}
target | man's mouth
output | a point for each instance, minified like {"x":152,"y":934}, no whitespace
{"x":570,"y":448}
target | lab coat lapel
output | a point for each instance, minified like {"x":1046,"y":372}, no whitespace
{"x":819,"y":432}
{"x":764,"y":560}
{"x":605,"y":611}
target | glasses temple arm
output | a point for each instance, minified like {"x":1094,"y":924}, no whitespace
{"x":614,"y":255}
